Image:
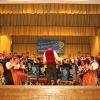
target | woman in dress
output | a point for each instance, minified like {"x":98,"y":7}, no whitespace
{"x":8,"y":73}
{"x":81,"y":71}
{"x":18,"y":76}
{"x":90,"y":78}
{"x":18,"y":72}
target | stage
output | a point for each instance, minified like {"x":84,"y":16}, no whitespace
{"x":49,"y":93}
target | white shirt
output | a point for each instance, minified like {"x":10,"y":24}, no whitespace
{"x":95,"y":65}
{"x":22,"y":66}
{"x":8,"y":65}
{"x":17,"y":66}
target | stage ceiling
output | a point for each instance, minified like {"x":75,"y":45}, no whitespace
{"x":52,"y":1}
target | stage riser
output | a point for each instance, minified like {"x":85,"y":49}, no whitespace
{"x":49,"y":93}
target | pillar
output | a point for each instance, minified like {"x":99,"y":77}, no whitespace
{"x":99,"y":38}
{"x":5,"y":43}
{"x":94,"y":44}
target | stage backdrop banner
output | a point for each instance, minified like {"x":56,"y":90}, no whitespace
{"x":57,"y":45}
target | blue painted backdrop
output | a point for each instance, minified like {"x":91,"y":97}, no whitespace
{"x":57,"y":45}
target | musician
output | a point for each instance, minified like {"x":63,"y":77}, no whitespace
{"x":90,"y":78}
{"x":81,"y":70}
{"x":18,"y":76}
{"x":50,"y":57}
{"x":8,"y":74}
{"x":98,"y":60}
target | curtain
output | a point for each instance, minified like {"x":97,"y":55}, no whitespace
{"x":50,"y":8}
{"x":65,"y":20}
{"x":48,"y":31}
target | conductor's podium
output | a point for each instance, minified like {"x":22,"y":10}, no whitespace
{"x":49,"y":93}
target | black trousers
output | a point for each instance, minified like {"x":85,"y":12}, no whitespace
{"x":51,"y":72}
{"x":9,"y":79}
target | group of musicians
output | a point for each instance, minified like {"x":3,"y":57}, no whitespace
{"x":15,"y":70}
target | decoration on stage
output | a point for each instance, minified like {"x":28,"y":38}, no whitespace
{"x":65,"y":73}
{"x":57,"y":45}
{"x":72,"y":72}
{"x":42,"y":71}
{"x":33,"y":69}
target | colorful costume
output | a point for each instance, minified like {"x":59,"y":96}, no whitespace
{"x":1,"y":69}
{"x":90,"y":78}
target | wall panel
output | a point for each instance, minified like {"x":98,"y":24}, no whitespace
{"x":72,"y":44}
{"x":73,"y":49}
{"x":23,"y":48}
{"x":99,"y":38}
{"x":47,"y":31}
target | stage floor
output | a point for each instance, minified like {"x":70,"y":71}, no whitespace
{"x":49,"y":93}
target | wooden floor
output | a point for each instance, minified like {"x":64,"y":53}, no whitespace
{"x":49,"y":93}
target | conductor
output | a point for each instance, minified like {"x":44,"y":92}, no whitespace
{"x":50,"y":57}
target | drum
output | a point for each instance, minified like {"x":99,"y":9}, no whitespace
{"x":33,"y":69}
{"x":42,"y":71}
{"x":64,"y":73}
{"x":72,"y":72}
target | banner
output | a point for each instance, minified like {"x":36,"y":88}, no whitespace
{"x":57,"y":45}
